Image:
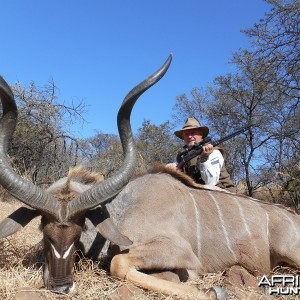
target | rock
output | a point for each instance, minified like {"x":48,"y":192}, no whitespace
{"x":240,"y":277}
{"x":126,"y":292}
{"x":26,"y":293}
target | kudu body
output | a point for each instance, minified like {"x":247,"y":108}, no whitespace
{"x":178,"y":225}
{"x":160,"y":221}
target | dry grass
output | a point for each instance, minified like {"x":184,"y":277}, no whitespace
{"x":92,"y":282}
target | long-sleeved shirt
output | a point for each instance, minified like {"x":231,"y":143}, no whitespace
{"x":209,"y":171}
{"x":211,"y":168}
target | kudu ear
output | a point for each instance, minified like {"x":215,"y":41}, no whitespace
{"x":101,"y":220}
{"x":17,"y":220}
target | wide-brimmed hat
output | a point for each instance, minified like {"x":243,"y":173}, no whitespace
{"x":192,"y":123}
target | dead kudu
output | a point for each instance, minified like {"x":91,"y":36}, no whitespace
{"x":157,"y":222}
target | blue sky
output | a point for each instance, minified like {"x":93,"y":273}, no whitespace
{"x":96,"y":51}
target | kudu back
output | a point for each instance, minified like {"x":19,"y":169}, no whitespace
{"x":160,"y":221}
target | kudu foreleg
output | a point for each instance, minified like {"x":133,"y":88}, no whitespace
{"x":167,"y":287}
{"x":121,"y":268}
{"x":161,"y":253}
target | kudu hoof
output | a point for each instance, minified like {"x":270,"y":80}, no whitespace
{"x":209,"y":293}
{"x":221,"y":293}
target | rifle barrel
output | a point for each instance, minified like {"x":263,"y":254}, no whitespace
{"x":230,"y":136}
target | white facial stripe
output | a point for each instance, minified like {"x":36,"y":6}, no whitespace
{"x":55,"y":252}
{"x":68,"y":252}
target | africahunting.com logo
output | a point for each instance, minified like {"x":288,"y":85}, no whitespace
{"x":281,"y":284}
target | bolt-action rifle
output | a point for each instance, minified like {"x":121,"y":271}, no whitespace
{"x":190,"y":152}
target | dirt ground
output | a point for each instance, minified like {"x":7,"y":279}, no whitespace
{"x":22,"y":281}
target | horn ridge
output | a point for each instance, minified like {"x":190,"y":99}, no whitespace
{"x":18,"y":187}
{"x":109,"y":188}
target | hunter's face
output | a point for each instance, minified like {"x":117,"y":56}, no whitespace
{"x":192,"y":136}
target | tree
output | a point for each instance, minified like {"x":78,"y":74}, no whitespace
{"x":42,"y":149}
{"x":264,"y":92}
{"x":156,"y":144}
{"x":191,"y":107}
{"x":105,"y":153}
{"x":248,"y":97}
{"x":276,"y":40}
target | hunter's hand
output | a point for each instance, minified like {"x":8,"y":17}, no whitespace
{"x":207,"y":150}
{"x":171,"y":166}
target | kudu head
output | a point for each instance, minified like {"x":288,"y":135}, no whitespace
{"x":63,"y":219}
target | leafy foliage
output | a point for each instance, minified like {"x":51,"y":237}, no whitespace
{"x":155,"y":144}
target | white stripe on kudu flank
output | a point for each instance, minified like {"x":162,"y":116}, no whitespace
{"x":241,"y":211}
{"x":268,"y":233}
{"x":198,"y":233}
{"x":221,"y":217}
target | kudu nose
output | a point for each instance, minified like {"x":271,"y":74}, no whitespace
{"x":64,"y":289}
{"x":61,"y":289}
